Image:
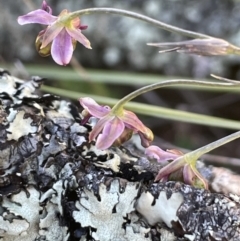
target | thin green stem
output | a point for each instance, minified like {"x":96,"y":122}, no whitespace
{"x":138,"y":16}
{"x":209,"y":147}
{"x":119,"y":105}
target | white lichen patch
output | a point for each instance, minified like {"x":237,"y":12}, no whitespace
{"x":15,"y":227}
{"x":190,"y":237}
{"x":12,"y":114}
{"x":37,"y":106}
{"x":79,"y":140}
{"x":66,"y":171}
{"x":107,"y":215}
{"x":8,"y":85}
{"x":22,"y":205}
{"x":134,"y":230}
{"x":164,"y":210}
{"x":61,"y":110}
{"x":166,"y":235}
{"x":94,"y":149}
{"x":50,"y":226}
{"x":132,"y":236}
{"x":27,"y":89}
{"x":20,"y":127}
{"x":55,"y":194}
{"x":112,"y":163}
{"x":24,"y":213}
{"x":76,"y":128}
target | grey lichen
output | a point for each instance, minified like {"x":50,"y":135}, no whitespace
{"x":19,"y":218}
{"x":56,"y":186}
{"x":107,"y":215}
{"x":20,"y":126}
{"x":164,"y":210}
{"x":196,"y":214}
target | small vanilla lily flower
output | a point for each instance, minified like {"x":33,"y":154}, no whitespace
{"x":186,"y":161}
{"x":114,"y":128}
{"x":185,"y":166}
{"x":60,"y":37}
{"x":114,"y":125}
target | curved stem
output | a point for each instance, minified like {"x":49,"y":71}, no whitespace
{"x":165,"y":83}
{"x":138,"y":16}
{"x":209,"y":147}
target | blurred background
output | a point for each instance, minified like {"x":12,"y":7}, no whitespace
{"x":120,"y":61}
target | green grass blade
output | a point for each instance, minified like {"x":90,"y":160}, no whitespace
{"x":155,"y":111}
{"x":113,"y":77}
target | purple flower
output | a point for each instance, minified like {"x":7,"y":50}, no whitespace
{"x":180,"y":163}
{"x":114,"y":129}
{"x":60,"y":37}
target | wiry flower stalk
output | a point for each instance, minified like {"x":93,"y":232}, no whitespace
{"x":141,"y":17}
{"x":169,"y":83}
{"x":115,"y":122}
{"x":231,"y":49}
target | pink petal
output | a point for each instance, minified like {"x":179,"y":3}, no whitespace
{"x":51,"y":33}
{"x":159,"y":154}
{"x":38,"y":16}
{"x":99,"y":127}
{"x":188,"y":174}
{"x":171,"y":167}
{"x":132,"y":120}
{"x":76,"y":23}
{"x":62,"y":48}
{"x":76,"y":34}
{"x":111,"y":131}
{"x":94,"y":108}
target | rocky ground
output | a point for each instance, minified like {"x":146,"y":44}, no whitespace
{"x":55,"y":185}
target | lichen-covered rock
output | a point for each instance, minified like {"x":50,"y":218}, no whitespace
{"x":194,"y":214}
{"x":56,"y":186}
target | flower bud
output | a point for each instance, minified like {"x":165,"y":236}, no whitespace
{"x":204,"y":47}
{"x":125,"y":136}
{"x":146,"y":137}
{"x":46,"y":51}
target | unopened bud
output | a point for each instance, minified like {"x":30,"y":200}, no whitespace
{"x":46,"y":51}
{"x":204,"y":47}
{"x":125,"y":136}
{"x":146,"y":137}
